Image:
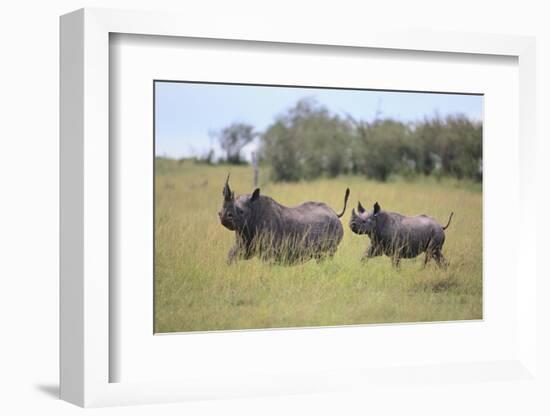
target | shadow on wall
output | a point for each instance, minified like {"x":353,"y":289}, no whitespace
{"x":51,"y":390}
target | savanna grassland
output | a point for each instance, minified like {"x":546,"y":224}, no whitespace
{"x":196,"y":290}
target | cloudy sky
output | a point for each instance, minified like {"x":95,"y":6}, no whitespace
{"x":187,"y":114}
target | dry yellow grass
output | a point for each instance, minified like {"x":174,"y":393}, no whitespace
{"x":195,"y":289}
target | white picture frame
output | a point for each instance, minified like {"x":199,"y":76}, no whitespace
{"x":85,"y":355}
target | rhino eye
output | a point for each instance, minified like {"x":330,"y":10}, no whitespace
{"x":239,"y":211}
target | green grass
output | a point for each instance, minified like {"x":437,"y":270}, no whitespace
{"x":195,"y":289}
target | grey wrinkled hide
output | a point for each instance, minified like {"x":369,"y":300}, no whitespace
{"x":399,"y":236}
{"x":265,"y":228}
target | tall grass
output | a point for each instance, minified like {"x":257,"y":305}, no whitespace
{"x":195,"y":288}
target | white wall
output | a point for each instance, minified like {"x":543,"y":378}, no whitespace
{"x":29,"y":204}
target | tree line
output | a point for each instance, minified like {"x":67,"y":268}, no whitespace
{"x":308,"y":141}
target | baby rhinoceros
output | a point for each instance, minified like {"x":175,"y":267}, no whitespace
{"x":399,"y":236}
{"x":287,"y":235}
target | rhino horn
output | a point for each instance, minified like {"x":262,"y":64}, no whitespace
{"x":227,"y":193}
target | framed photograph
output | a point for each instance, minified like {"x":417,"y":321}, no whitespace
{"x":270,"y":213}
{"x":286,"y":262}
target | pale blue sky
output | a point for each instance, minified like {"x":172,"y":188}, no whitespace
{"x":186,"y":113}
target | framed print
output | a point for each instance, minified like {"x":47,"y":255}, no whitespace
{"x":270,"y":214}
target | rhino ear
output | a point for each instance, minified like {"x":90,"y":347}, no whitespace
{"x":376,"y":208}
{"x":360,"y":207}
{"x":353,"y":214}
{"x":255,"y":195}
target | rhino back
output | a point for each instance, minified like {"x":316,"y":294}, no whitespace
{"x":297,"y":232}
{"x":409,"y":235}
{"x":315,"y":218}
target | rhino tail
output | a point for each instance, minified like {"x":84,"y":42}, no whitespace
{"x":448,"y":222}
{"x":345,"y":203}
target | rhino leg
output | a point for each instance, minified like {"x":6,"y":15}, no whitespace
{"x":322,"y":257}
{"x":237,"y":252}
{"x":233,"y":254}
{"x":430,"y":254}
{"x":372,"y":251}
{"x":396,"y":261}
{"x":427,"y":258}
{"x":440,"y":259}
{"x":433,"y":251}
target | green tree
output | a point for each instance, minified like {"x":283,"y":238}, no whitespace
{"x":381,"y":148}
{"x":450,"y":147}
{"x":307,"y":142}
